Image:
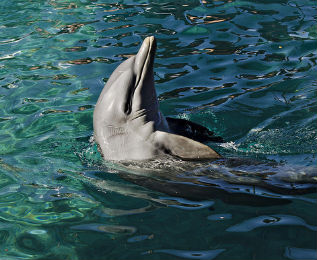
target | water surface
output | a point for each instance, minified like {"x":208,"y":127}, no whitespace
{"x":244,"y":69}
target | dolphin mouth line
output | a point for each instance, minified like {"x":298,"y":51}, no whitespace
{"x":151,"y":40}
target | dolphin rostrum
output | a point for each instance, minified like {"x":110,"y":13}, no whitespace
{"x":128,"y":124}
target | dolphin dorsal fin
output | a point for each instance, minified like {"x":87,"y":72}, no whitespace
{"x":183,"y":147}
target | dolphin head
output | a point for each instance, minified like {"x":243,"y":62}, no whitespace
{"x":128,"y":103}
{"x":127,"y":122}
{"x":130,"y":93}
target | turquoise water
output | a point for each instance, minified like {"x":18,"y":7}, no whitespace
{"x":244,"y":69}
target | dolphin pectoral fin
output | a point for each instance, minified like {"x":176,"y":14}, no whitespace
{"x":192,"y":130}
{"x":183,"y":147}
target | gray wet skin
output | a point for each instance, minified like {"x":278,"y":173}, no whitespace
{"x":127,"y":122}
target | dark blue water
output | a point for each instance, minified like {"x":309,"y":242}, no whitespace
{"x":244,"y":69}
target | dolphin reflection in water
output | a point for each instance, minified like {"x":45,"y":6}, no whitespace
{"x":161,"y":153}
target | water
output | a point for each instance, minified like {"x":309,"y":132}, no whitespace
{"x":244,"y":69}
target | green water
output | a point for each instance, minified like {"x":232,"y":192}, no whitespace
{"x":244,"y":69}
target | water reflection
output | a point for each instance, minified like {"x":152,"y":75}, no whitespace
{"x":204,"y":255}
{"x":265,"y":221}
{"x":244,"y":69}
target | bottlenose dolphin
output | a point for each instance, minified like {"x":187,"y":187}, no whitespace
{"x":128,"y":124}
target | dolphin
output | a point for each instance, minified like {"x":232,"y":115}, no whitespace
{"x":128,"y":124}
{"x":130,"y":129}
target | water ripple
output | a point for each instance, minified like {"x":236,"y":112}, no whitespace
{"x":300,"y":253}
{"x":204,"y":255}
{"x":266,"y":221}
{"x":244,"y":69}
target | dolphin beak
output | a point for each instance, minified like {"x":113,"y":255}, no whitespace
{"x":142,"y":91}
{"x":145,"y":57}
{"x":143,"y":95}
